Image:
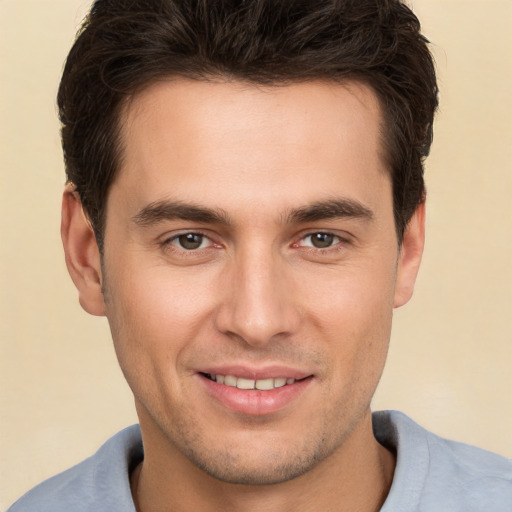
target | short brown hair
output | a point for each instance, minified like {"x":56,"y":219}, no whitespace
{"x":124,"y":45}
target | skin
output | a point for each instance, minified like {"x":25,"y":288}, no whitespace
{"x":257,"y":293}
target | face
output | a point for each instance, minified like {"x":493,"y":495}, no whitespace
{"x":250,"y":270}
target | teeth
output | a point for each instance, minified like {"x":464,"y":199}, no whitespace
{"x":245,"y":383}
{"x":261,"y":384}
{"x":229,"y":380}
{"x":265,"y":384}
{"x":279,"y":383}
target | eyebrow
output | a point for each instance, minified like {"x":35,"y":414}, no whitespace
{"x":329,"y":209}
{"x":166,"y":210}
{"x":160,"y":211}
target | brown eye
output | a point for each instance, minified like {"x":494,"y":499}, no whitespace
{"x":322,"y":240}
{"x":190,"y":241}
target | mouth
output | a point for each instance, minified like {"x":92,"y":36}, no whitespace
{"x":248,"y":384}
{"x":256,"y":395}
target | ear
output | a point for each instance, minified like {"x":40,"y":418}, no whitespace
{"x":409,"y":258}
{"x":82,"y":253}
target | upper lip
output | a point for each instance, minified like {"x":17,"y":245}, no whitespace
{"x":250,"y":372}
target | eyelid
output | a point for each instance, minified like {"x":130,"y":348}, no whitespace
{"x":336,"y":240}
{"x":175,"y":238}
{"x":166,"y":241}
{"x":342,"y":241}
{"x":310,"y":232}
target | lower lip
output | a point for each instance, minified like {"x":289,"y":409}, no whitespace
{"x":252,"y":401}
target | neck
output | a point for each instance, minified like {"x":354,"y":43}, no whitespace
{"x":357,"y":477}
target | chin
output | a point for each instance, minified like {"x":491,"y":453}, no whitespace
{"x":266,"y":463}
{"x":235,"y":470}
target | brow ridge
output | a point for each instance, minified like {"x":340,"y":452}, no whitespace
{"x":329,"y":209}
{"x":159,"y":211}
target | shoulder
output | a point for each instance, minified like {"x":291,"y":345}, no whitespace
{"x":439,"y":474}
{"x":99,"y":483}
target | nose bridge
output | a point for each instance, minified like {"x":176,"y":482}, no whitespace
{"x":257,"y":305}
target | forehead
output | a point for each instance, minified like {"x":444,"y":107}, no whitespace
{"x":232,"y":139}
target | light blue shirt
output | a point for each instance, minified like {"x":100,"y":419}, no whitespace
{"x":431,"y":475}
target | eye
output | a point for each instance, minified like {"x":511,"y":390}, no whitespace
{"x":190,"y":241}
{"x":320,"y":240}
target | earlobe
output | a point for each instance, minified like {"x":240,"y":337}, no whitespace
{"x":410,"y":255}
{"x":82,"y":253}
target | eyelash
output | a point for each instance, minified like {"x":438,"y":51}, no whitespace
{"x":168,"y":243}
{"x":338,"y":243}
{"x":335,"y":245}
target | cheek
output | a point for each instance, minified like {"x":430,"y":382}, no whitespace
{"x":353,"y":311}
{"x":159,"y":296}
{"x":154,"y":314}
{"x":348,"y":301}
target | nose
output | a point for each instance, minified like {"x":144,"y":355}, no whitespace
{"x":258,"y":300}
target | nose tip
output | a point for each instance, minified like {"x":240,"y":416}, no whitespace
{"x":257,"y":307}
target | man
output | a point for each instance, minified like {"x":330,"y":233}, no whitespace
{"x":245,"y":204}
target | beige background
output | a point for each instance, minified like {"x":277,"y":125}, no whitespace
{"x":61,"y":393}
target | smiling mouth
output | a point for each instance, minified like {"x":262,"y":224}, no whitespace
{"x":248,"y":384}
